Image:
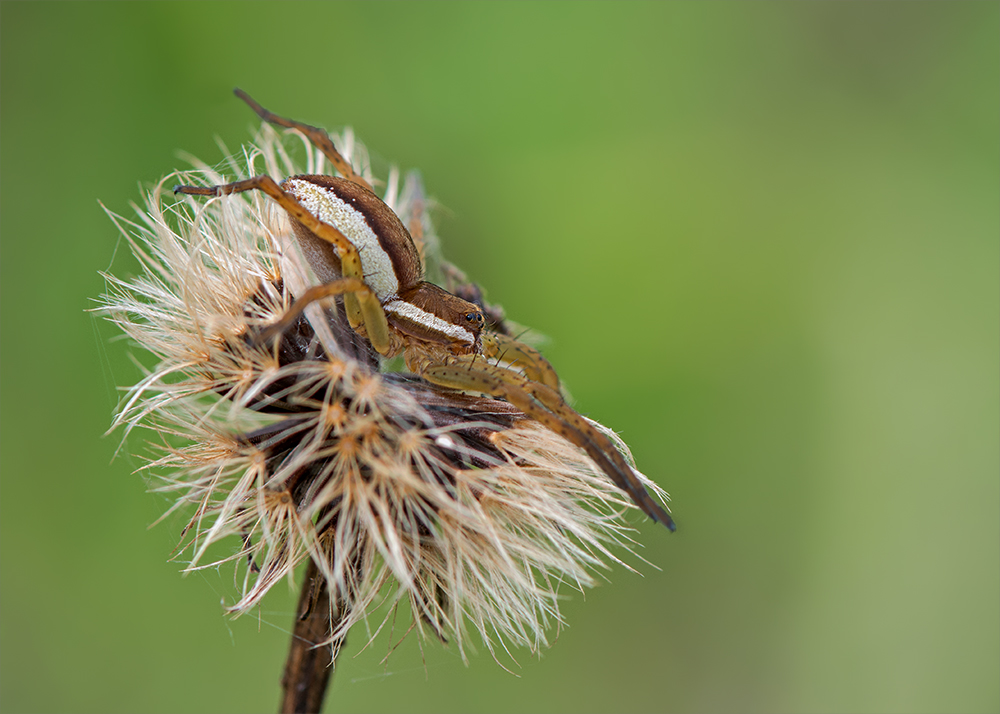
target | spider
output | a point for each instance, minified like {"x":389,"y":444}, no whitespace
{"x":387,"y":301}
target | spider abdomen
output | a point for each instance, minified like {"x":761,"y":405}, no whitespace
{"x":389,"y":259}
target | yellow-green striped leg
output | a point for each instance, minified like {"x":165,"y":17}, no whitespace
{"x":521,"y":356}
{"x":544,"y":404}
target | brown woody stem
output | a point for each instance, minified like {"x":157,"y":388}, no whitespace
{"x":310,"y":664}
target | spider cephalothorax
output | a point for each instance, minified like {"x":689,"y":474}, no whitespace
{"x":360,"y":250}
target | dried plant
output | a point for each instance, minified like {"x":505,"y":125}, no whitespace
{"x":456,"y":504}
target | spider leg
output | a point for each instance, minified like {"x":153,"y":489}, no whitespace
{"x":545,"y":405}
{"x":517,"y":354}
{"x":362,"y":306}
{"x":342,"y":286}
{"x":316,"y":136}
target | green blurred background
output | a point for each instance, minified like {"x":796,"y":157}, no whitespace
{"x":763,"y":240}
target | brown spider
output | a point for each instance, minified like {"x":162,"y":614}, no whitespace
{"x":378,"y":270}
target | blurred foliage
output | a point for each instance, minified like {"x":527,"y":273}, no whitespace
{"x":763,"y":242}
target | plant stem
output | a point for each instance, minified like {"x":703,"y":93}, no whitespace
{"x":310,"y":663}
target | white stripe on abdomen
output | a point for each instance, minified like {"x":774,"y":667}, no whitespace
{"x":326,"y":206}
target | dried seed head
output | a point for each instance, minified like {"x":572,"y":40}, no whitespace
{"x":459,"y":505}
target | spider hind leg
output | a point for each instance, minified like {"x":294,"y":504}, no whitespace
{"x":316,"y":136}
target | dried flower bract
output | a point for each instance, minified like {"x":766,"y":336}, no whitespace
{"x":456,"y":503}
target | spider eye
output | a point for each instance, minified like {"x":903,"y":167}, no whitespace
{"x":474,"y":317}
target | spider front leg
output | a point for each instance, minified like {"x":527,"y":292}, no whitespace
{"x":361,"y":304}
{"x":545,"y":405}
{"x":517,"y":354}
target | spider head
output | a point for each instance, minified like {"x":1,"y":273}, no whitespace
{"x":474,"y":318}
{"x":432,"y":315}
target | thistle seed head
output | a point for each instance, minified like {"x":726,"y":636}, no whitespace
{"x":457,"y":505}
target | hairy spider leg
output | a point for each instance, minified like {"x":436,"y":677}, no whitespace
{"x":546,"y":406}
{"x":517,"y":354}
{"x":343,"y":286}
{"x":362,"y":306}
{"x":316,"y":136}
